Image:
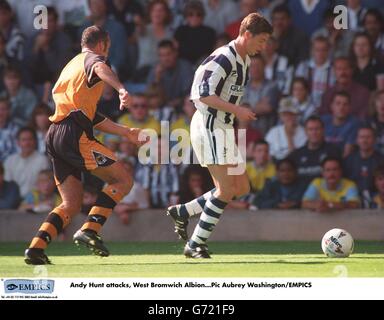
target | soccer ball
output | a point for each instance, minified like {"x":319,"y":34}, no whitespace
{"x":337,"y":243}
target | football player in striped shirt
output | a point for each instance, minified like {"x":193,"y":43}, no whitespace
{"x":217,"y":90}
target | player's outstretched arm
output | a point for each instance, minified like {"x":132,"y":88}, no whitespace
{"x":132,"y":134}
{"x":242,"y":113}
{"x":106,"y":74}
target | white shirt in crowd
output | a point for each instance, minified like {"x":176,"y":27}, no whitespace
{"x":278,"y":142}
{"x":137,"y":195}
{"x":24,"y":171}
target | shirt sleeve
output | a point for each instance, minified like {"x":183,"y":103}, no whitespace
{"x":99,"y":118}
{"x":312,"y":193}
{"x":217,"y":69}
{"x":352,"y":194}
{"x":89,"y":64}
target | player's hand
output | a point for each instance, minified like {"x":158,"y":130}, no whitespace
{"x":125,"y":99}
{"x":133,"y":136}
{"x":245,"y":114}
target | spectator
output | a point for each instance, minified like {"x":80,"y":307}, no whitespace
{"x":5,"y":60}
{"x":377,"y":121}
{"x":195,"y":40}
{"x":24,"y":167}
{"x":261,"y":168}
{"x":127,"y":150}
{"x":362,"y":163}
{"x":72,"y":14}
{"x":157,"y":104}
{"x":25,"y":15}
{"x":307,"y":14}
{"x":185,"y":117}
{"x":127,"y":12}
{"x":252,"y":136}
{"x":14,"y":39}
{"x":40,"y":123}
{"x":139,"y":115}
{"x":378,"y":198}
{"x":109,"y":103}
{"x":221,"y":40}
{"x":373,"y":25}
{"x":195,"y":182}
{"x":9,"y":192}
{"x":160,"y":180}
{"x":149,"y":36}
{"x":246,"y":7}
{"x":137,"y":199}
{"x":44,"y":197}
{"x":51,"y":50}
{"x":331,"y":192}
{"x":288,"y":136}
{"x":220,"y":13}
{"x":359,"y":95}
{"x":340,"y":126}
{"x":356,"y":14}
{"x":99,"y":17}
{"x":293,"y":43}
{"x":318,"y":69}
{"x":309,"y":157}
{"x":173,"y":74}
{"x":285,"y":192}
{"x":366,"y":67}
{"x":8,"y":131}
{"x":339,"y":39}
{"x":22,"y":100}
{"x":89,"y":198}
{"x":277,"y":66}
{"x":300,"y":95}
{"x":262,"y":96}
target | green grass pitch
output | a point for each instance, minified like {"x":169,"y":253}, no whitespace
{"x":229,"y":259}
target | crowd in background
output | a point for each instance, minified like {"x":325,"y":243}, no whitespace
{"x":318,"y":92}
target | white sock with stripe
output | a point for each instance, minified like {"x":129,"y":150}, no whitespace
{"x":213,"y":209}
{"x":195,"y":206}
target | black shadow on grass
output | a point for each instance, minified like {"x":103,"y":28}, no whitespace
{"x":173,"y":248}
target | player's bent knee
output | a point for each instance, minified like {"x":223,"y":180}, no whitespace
{"x":244,"y":190}
{"x":226,"y":194}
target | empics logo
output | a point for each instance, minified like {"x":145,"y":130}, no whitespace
{"x":28,"y":286}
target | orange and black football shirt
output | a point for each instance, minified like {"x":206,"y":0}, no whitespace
{"x":78,"y":87}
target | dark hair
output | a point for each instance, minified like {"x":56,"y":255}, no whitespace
{"x":4,"y":5}
{"x":335,"y":159}
{"x":314,"y":118}
{"x":342,"y":93}
{"x":92,"y":36}
{"x":261,"y":142}
{"x":288,"y":161}
{"x":376,"y":13}
{"x":303,"y":81}
{"x":342,"y":58}
{"x":194,"y":6}
{"x":281,"y":9}
{"x":367,"y":128}
{"x":329,"y":14}
{"x":320,"y":39}
{"x":5,"y":101}
{"x":166,"y":43}
{"x":41,"y":108}
{"x":1,"y":169}
{"x":256,"y":24}
{"x":52,"y":11}
{"x":164,"y":3}
{"x":352,"y":54}
{"x":26,"y":129}
{"x":379,"y":171}
{"x":12,"y":70}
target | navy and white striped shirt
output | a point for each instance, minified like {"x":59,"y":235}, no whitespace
{"x":225,"y":74}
